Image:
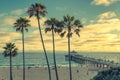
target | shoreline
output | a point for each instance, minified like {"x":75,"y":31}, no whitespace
{"x":37,"y":73}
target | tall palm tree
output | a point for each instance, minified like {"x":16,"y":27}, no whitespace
{"x":73,"y":26}
{"x":22,"y":25}
{"x":38,"y":10}
{"x":52,"y":23}
{"x":10,"y":50}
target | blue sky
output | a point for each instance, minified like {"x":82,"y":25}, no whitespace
{"x":101,"y":20}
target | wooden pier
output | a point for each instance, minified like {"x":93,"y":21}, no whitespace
{"x":87,"y":60}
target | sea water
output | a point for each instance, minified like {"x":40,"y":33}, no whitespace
{"x":38,"y":58}
{"x":34,"y":59}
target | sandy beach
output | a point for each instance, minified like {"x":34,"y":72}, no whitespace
{"x":40,"y":73}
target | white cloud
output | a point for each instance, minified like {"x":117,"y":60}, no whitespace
{"x":8,"y":37}
{"x":103,"y":2}
{"x":114,"y":20}
{"x":8,"y":21}
{"x":98,"y":36}
{"x":107,"y":15}
{"x":94,"y":37}
{"x":18,"y":11}
{"x":101,"y":36}
{"x":34,"y":22}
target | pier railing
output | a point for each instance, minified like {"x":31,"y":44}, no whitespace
{"x":87,"y":60}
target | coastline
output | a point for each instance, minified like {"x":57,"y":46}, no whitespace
{"x":37,"y":73}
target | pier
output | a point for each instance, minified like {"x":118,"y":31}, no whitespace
{"x":80,"y":59}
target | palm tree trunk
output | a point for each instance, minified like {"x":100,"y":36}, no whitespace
{"x":49,"y":72}
{"x":23,"y":55}
{"x":54,"y":56}
{"x":69,"y":52}
{"x":11,"y":78}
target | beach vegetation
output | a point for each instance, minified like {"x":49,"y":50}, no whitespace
{"x":10,"y":50}
{"x":71,"y":26}
{"x":52,"y":26}
{"x":22,"y":25}
{"x":110,"y":74}
{"x":39,"y":10}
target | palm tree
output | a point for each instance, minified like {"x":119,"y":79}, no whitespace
{"x":73,"y":26}
{"x":22,"y":25}
{"x":10,"y":50}
{"x":52,"y":23}
{"x":38,"y":10}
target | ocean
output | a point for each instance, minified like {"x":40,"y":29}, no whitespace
{"x":38,"y":59}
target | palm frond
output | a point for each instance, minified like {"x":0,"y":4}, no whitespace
{"x":32,"y":6}
{"x":5,"y":48}
{"x":10,"y":48}
{"x":52,"y":24}
{"x":65,"y":18}
{"x":73,"y":25}
{"x":48,"y":22}
{"x":80,"y":26}
{"x":62,"y":34}
{"x":6,"y":53}
{"x":58,"y":30}
{"x":77,"y":22}
{"x":47,"y":29}
{"x":68,"y":17}
{"x":77,"y":32}
{"x":42,"y":6}
{"x":37,"y":10}
{"x":30,"y":12}
{"x":60,"y":24}
{"x":14,"y":52}
{"x":26,"y":29}
{"x":72,"y":18}
{"x":21,"y":23}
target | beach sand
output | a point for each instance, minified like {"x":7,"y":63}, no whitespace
{"x":41,"y":73}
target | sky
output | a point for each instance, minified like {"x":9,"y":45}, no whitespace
{"x":100,"y":18}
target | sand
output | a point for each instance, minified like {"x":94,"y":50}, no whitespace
{"x":41,"y":73}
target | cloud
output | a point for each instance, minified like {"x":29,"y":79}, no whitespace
{"x":94,"y":37}
{"x":18,"y":12}
{"x":114,"y":20}
{"x":103,"y":2}
{"x":8,"y":37}
{"x":33,"y":42}
{"x":34,"y":22}
{"x":107,"y":15}
{"x":101,"y":34}
{"x":8,"y":21}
